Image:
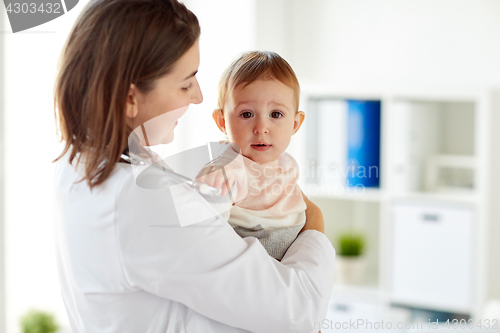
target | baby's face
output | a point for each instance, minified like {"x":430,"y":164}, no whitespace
{"x":261,"y":119}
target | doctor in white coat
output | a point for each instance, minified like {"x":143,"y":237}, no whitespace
{"x":126,"y":262}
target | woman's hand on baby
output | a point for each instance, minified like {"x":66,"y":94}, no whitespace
{"x":219,"y":178}
{"x":314,"y":217}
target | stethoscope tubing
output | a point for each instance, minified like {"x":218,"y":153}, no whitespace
{"x":202,"y":188}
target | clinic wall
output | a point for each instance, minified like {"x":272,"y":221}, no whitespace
{"x":30,"y":145}
{"x":385,"y":42}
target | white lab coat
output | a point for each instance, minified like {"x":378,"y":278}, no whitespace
{"x":126,"y":265}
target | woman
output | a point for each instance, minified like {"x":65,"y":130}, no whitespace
{"x":126,"y":264}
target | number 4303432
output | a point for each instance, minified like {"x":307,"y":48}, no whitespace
{"x":32,"y":8}
{"x":485,"y":323}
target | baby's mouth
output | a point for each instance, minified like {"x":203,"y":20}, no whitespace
{"x":260,"y":146}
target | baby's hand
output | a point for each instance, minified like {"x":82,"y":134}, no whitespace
{"x":215,"y":178}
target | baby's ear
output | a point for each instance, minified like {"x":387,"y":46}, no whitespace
{"x":219,"y":120}
{"x":299,"y":119}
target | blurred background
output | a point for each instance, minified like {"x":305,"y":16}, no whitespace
{"x":426,"y":232}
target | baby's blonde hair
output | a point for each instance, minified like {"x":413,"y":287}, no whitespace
{"x":255,"y":65}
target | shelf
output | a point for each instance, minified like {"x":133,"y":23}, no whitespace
{"x":344,"y":193}
{"x":437,"y":150}
{"x":430,"y":145}
{"x":377,"y":195}
{"x":449,"y":197}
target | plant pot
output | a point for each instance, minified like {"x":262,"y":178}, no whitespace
{"x":350,"y":269}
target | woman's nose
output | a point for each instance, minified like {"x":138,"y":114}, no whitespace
{"x":197,"y":96}
{"x":261,"y":127}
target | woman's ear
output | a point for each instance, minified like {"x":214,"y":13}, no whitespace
{"x":219,"y":120}
{"x":299,"y":119}
{"x":131,"y":109}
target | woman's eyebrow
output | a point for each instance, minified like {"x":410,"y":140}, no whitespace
{"x":192,"y":74}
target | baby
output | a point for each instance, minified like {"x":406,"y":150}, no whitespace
{"x":258,"y":111}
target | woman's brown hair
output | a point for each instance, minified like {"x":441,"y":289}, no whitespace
{"x":113,"y":44}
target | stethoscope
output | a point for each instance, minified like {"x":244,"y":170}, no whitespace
{"x":202,"y":188}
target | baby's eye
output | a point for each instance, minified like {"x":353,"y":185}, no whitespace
{"x":246,"y":114}
{"x":276,"y":114}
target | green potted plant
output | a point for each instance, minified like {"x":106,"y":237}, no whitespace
{"x":37,"y":321}
{"x":350,"y":262}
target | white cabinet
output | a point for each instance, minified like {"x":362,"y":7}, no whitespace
{"x":349,"y":306}
{"x":432,"y":256}
{"x":433,"y":224}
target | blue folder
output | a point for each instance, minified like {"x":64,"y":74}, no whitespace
{"x":363,"y":143}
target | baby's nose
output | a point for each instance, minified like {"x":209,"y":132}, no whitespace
{"x":261,"y":128}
